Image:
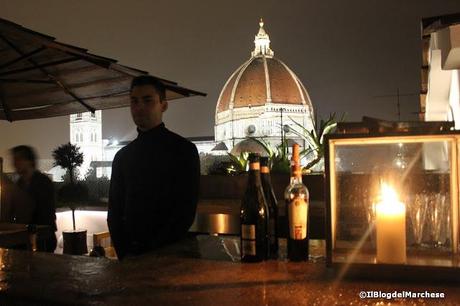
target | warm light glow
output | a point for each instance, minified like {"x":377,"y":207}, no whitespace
{"x":390,"y":227}
{"x":390,"y":203}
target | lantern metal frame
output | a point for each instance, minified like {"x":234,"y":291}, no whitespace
{"x":448,"y":269}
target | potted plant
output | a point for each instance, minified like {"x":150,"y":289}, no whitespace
{"x":279,"y":156}
{"x":73,"y":194}
{"x":315,"y":140}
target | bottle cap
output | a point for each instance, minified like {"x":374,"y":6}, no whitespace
{"x":254,"y":163}
{"x":254,"y":157}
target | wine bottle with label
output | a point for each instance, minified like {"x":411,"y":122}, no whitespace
{"x":272,"y":207}
{"x":254,"y":216}
{"x":297,"y":204}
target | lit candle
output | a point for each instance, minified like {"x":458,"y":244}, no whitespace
{"x":390,"y":227}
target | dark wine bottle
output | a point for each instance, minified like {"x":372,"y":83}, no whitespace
{"x":272,"y":207}
{"x":297,"y":204}
{"x":254,"y":216}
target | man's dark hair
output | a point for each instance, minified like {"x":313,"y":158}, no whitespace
{"x":25,"y":152}
{"x":150,"y":80}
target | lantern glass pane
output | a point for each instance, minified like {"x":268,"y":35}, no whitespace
{"x":418,"y":171}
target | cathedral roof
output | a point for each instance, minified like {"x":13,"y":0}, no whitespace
{"x":249,"y":146}
{"x":262,"y":79}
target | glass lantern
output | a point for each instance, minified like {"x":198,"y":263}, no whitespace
{"x":393,"y":199}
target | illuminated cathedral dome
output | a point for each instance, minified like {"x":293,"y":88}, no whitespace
{"x":262,"y":79}
{"x":255,"y":95}
{"x":259,"y":81}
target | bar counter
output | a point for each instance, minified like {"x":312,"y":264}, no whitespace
{"x":200,"y":270}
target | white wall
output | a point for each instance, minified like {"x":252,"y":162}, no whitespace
{"x":443,"y":99}
{"x":454,"y":98}
{"x":91,"y":145}
{"x":92,"y":221}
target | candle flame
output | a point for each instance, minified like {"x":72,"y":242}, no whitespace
{"x":390,"y":203}
{"x":388,"y":194}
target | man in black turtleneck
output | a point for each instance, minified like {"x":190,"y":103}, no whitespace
{"x":155,"y":178}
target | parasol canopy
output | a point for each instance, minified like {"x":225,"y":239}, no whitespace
{"x":40,"y":77}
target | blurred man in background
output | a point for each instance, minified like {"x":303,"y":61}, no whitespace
{"x":40,"y":191}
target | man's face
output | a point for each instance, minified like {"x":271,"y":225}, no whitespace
{"x":146,"y":107}
{"x":21,"y":164}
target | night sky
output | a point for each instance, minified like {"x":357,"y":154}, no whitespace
{"x":348,"y":54}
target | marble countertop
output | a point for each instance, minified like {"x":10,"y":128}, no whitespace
{"x":201,"y":270}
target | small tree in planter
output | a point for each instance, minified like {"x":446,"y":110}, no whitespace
{"x":68,"y":157}
{"x":73,"y":193}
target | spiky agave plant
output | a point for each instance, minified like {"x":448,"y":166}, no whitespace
{"x":315,"y":137}
{"x":239,"y":163}
{"x":279,"y":156}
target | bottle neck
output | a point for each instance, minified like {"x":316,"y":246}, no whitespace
{"x":265,"y":174}
{"x":254,"y":178}
{"x":296,"y":180}
{"x":254,"y":174}
{"x":266,"y":180}
{"x":296,"y":174}
{"x":296,"y":169}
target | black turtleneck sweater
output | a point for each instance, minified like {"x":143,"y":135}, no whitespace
{"x":153,"y":191}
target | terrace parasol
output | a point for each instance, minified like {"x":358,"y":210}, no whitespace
{"x":40,"y":77}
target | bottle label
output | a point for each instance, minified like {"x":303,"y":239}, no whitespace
{"x":298,"y":219}
{"x":264,"y":169}
{"x":254,"y":166}
{"x":248,"y":239}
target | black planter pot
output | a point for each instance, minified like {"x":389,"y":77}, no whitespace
{"x":75,"y":242}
